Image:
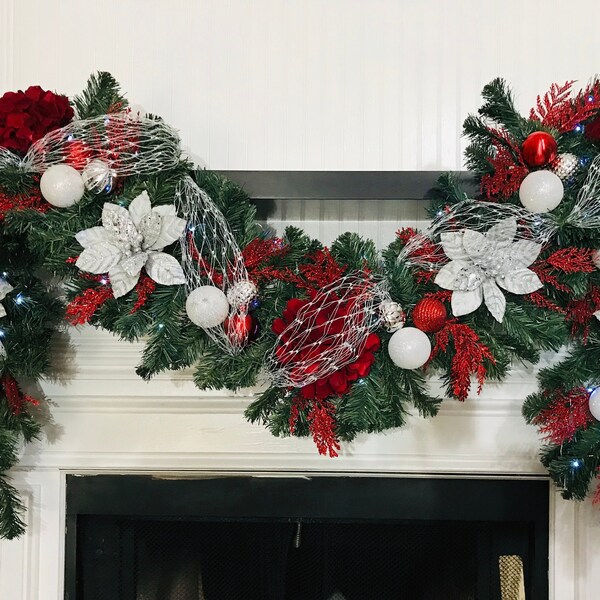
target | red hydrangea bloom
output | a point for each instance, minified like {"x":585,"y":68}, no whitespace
{"x":28,"y":116}
{"x":305,"y":356}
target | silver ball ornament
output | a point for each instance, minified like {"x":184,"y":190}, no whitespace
{"x":392,"y":315}
{"x":409,"y":348}
{"x":62,"y":186}
{"x":541,"y":191}
{"x":207,"y":306}
{"x":241,"y":292}
{"x":565,"y":166}
{"x":98,"y":177}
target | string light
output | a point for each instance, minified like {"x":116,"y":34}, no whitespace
{"x":575,"y":463}
{"x":20,"y":298}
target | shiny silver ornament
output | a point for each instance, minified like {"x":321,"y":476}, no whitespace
{"x":565,"y":166}
{"x":392,"y":315}
{"x":241,"y":293}
{"x":98,"y":177}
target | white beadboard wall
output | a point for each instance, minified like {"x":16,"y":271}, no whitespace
{"x":287,"y":84}
{"x":305,"y":84}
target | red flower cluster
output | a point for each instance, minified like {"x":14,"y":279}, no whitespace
{"x":28,"y":116}
{"x":310,"y":353}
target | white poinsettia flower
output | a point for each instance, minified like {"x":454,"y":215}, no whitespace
{"x":482,"y":263}
{"x":131,"y":239}
{"x":5,"y":288}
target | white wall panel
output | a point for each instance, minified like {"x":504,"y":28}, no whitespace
{"x":305,"y":84}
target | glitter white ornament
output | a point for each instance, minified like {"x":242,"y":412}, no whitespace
{"x":565,"y":166}
{"x":207,"y":306}
{"x":62,"y":186}
{"x":130,"y":239}
{"x":241,"y":293}
{"x":5,"y":288}
{"x":541,"y":191}
{"x":480,"y":264}
{"x":596,"y":258}
{"x":409,"y":348}
{"x":98,"y":177}
{"x":595,"y":403}
{"x":392,"y":315}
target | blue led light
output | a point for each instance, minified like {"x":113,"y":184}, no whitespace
{"x":2,"y":333}
{"x":20,"y":298}
{"x":161,"y":325}
{"x":575,"y":463}
{"x":578,"y":128}
{"x":590,"y":98}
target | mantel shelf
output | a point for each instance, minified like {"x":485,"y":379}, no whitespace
{"x":340,"y":185}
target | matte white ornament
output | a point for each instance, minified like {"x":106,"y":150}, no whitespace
{"x":482,"y":263}
{"x":62,"y":186}
{"x":207,"y":306}
{"x":98,"y":177}
{"x":409,"y":348}
{"x":541,"y":191}
{"x":130,"y":239}
{"x":595,"y":403}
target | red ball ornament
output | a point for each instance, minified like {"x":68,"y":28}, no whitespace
{"x":539,"y":149}
{"x":429,"y":315}
{"x":241,"y":329}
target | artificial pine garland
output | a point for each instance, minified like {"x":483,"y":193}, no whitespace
{"x":342,"y":339}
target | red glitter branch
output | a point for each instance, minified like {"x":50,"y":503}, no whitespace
{"x":82,"y":308}
{"x":261,"y":250}
{"x":557,"y":110}
{"x":15,"y":397}
{"x":33,"y":201}
{"x":144,"y":287}
{"x":322,"y":271}
{"x":321,"y":423}
{"x":566,"y":413}
{"x":425,"y":248}
{"x":509,"y":168}
{"x":543,"y":301}
{"x":469,"y":356}
{"x":572,"y":260}
{"x":581,"y":311}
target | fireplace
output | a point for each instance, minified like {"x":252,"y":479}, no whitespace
{"x":306,"y":537}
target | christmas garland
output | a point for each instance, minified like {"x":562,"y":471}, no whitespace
{"x":341,"y":339}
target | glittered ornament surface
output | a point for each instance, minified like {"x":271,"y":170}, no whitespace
{"x":539,"y":149}
{"x":392,"y":315}
{"x":565,"y":165}
{"x":98,"y":177}
{"x":429,"y":315}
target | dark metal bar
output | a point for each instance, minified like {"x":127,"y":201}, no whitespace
{"x":340,"y":185}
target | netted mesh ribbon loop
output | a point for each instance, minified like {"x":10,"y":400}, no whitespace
{"x":585,"y":213}
{"x":130,"y":145}
{"x":210,"y":255}
{"x":328,"y":332}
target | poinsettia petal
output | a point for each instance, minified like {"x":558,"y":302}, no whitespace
{"x":2,"y":311}
{"x":464,"y":303}
{"x":494,"y":299}
{"x":140,"y":207}
{"x":165,"y":210}
{"x":503,"y":233}
{"x":165,"y":269}
{"x":132,"y":265}
{"x":121,"y":281}
{"x":149,"y":227}
{"x":446,"y":278}
{"x":474,"y":243}
{"x":171,"y":229}
{"x":520,"y":281}
{"x":597,"y":314}
{"x":525,"y":252}
{"x":453,"y":246}
{"x":99,"y":258}
{"x":91,"y":236}
{"x":5,"y":288}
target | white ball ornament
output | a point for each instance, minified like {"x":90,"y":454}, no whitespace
{"x":595,"y":403}
{"x":409,"y":348}
{"x":62,"y":186}
{"x":98,"y":177}
{"x":541,"y":191}
{"x":207,"y":306}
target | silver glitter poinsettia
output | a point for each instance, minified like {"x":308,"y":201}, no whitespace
{"x":132,"y":239}
{"x":5,"y":288}
{"x":482,"y":263}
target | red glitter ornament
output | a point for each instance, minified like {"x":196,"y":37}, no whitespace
{"x":429,"y":315}
{"x":539,"y":149}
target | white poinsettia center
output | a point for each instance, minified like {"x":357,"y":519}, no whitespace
{"x":132,"y":239}
{"x":480,"y":264}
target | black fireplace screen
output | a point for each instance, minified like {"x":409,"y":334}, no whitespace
{"x":283,"y":541}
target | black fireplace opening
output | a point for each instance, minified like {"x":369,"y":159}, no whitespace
{"x":306,"y":538}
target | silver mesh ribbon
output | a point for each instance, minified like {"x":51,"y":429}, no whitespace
{"x":328,"y":333}
{"x":586,"y":210}
{"x":210,"y":255}
{"x":129,"y":144}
